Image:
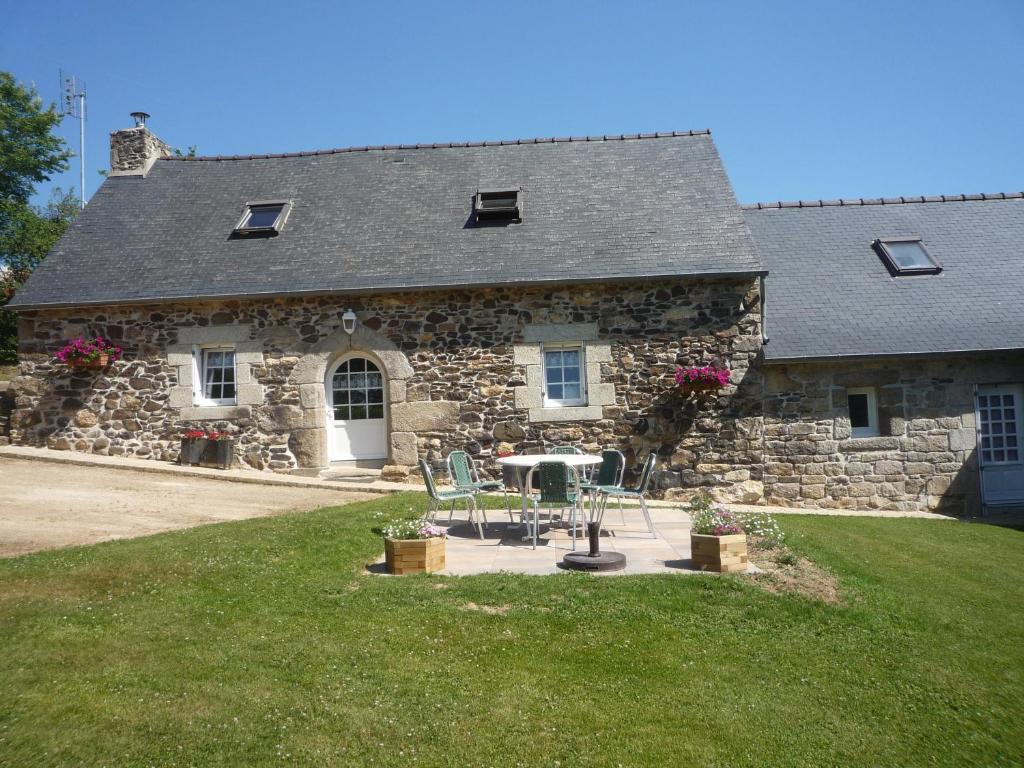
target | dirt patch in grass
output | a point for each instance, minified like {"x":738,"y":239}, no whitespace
{"x":490,"y":610}
{"x":785,"y":572}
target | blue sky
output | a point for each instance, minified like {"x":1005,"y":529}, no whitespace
{"x":805,"y":100}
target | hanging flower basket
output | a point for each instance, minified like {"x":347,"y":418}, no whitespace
{"x":701,"y":379}
{"x":88,"y":353}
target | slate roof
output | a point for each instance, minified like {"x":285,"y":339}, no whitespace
{"x":828,"y":293}
{"x":399,"y":217}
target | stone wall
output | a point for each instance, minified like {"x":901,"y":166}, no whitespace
{"x":924,"y":457}
{"x":452,"y":376}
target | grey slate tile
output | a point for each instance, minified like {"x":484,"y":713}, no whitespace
{"x":593,"y":209}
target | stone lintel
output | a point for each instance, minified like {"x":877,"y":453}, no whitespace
{"x":560,"y":332}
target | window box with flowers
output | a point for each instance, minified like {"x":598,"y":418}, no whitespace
{"x":413,"y":546}
{"x":718,"y":541}
{"x":193,"y":446}
{"x":223,"y":447}
{"x":701,"y":379}
{"x":88,"y":353}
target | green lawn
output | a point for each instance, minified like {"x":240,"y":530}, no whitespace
{"x":263,"y":643}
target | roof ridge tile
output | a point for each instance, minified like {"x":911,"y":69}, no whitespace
{"x":448,"y":145}
{"x":902,"y":200}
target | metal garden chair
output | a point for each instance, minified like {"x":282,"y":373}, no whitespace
{"x":559,"y":485}
{"x":618,"y":492}
{"x":465,"y":477}
{"x":609,"y":473}
{"x":439,"y":498}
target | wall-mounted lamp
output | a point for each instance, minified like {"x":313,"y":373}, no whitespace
{"x":348,"y":322}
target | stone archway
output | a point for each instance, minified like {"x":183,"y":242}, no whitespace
{"x":309,"y":445}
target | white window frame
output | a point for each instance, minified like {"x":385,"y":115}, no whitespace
{"x":199,"y":375}
{"x":871,"y":430}
{"x":561,"y":347}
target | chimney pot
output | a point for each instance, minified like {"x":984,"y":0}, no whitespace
{"x":140,"y":119}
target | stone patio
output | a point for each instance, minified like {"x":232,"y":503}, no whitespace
{"x":503,"y":548}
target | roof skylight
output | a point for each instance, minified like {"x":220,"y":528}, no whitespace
{"x":263,"y":217}
{"x":498,"y":205}
{"x":906,"y":256}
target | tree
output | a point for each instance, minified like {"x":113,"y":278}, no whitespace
{"x":29,"y":150}
{"x":27,"y":233}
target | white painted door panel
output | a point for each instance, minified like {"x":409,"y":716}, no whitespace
{"x":356,"y":411}
{"x":1001,"y":454}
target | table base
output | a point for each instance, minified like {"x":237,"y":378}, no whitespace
{"x":595,"y":559}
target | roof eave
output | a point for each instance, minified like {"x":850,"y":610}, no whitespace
{"x":15,"y":307}
{"x":889,"y":355}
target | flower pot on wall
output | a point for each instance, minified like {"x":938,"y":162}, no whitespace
{"x":721,"y":554}
{"x":699,"y":387}
{"x":192,"y":450}
{"x":100,"y":362}
{"x":405,"y":556}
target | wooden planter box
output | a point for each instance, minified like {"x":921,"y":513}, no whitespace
{"x":722,"y":554}
{"x":100,"y":362}
{"x":414,"y":555}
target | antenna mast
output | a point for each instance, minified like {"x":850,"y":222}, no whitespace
{"x":73,"y":104}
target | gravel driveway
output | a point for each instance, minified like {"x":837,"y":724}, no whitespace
{"x":45,"y":506}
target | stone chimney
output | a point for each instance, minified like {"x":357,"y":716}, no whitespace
{"x":134,"y":150}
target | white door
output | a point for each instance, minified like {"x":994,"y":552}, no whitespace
{"x":1000,"y":427}
{"x":355,"y":411}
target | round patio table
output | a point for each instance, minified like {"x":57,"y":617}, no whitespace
{"x":526,"y":461}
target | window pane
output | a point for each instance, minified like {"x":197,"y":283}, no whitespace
{"x":554,"y":375}
{"x":571,"y":357}
{"x":375,"y":396}
{"x":571,"y":392}
{"x":909,"y":255}
{"x":229,"y":391}
{"x":358,"y":396}
{"x":264,"y":216}
{"x":374,"y":380}
{"x":341,"y":412}
{"x":555,"y":391}
{"x":358,"y":412}
{"x":340,"y":381}
{"x":1012,"y":455}
{"x":341,"y":397}
{"x":570,"y":374}
{"x":552,"y":358}
{"x":376,"y":411}
{"x":357,"y":381}
{"x":858,"y":405}
{"x":358,"y":365}
{"x":1007,"y":399}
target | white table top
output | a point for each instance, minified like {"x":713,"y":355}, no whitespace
{"x":532,"y":459}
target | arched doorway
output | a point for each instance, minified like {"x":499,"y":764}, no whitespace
{"x":356,"y":417}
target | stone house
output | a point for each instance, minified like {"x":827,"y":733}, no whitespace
{"x":894,"y":364}
{"x":383,"y":304}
